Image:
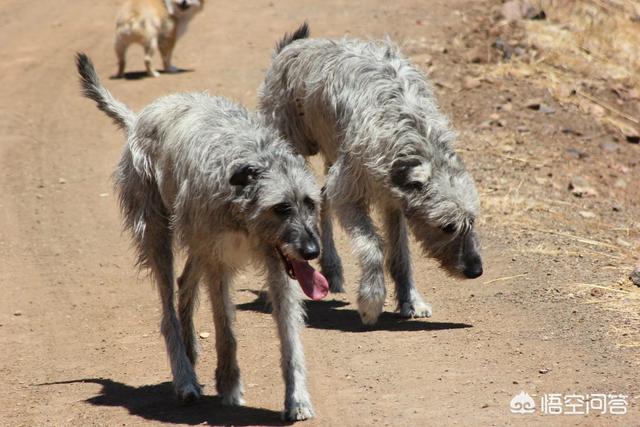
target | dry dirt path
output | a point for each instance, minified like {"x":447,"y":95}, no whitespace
{"x":79,"y":339}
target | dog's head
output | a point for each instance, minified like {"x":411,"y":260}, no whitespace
{"x":441,"y":205}
{"x":282,"y":204}
{"x":181,"y":8}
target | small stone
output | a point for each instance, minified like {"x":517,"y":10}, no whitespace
{"x":610,"y":147}
{"x":544,"y":370}
{"x":587,"y":214}
{"x":633,"y":138}
{"x":597,"y":110}
{"x":635,"y":276}
{"x":580,"y":188}
{"x":620,"y":183}
{"x":477,"y":55}
{"x":470,"y":82}
{"x":17,"y":313}
{"x":574,"y":152}
{"x":507,"y":149}
{"x":533,"y":104}
{"x":506,"y":107}
{"x":204,"y":335}
{"x":511,"y":10}
{"x":485,"y":405}
{"x":504,"y":47}
{"x":547,"y":109}
{"x":62,"y":181}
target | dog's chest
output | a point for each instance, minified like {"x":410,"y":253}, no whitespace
{"x":236,"y":249}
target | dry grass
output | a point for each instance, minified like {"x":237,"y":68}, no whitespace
{"x":589,"y":44}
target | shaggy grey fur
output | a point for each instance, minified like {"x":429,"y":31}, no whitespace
{"x":202,"y":173}
{"x":374,"y":118}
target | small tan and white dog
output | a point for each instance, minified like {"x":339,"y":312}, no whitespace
{"x":154,"y":24}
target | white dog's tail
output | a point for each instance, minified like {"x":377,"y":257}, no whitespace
{"x":122,"y":116}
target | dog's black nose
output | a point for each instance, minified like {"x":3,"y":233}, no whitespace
{"x":473,"y":269}
{"x":310,"y":250}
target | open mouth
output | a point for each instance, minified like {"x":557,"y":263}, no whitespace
{"x":288,"y":267}
{"x":183,"y":6}
{"x":313,"y":284}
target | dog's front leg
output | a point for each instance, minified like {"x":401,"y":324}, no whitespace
{"x":286,"y":300}
{"x":330,"y":260}
{"x":410,"y":302}
{"x":228,"y":380}
{"x":368,"y":246}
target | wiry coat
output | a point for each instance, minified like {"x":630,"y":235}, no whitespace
{"x":374,"y":118}
{"x":202,"y":173}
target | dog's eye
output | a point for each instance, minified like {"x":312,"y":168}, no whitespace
{"x":310,"y":203}
{"x":449,"y":228}
{"x":282,"y":208}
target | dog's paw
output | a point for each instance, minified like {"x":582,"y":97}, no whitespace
{"x":171,"y":69}
{"x":189,"y":393}
{"x":153,"y":73}
{"x":370,"y":309}
{"x":233,"y":398}
{"x":415,"y":308}
{"x":336,"y":281}
{"x":298,"y":412}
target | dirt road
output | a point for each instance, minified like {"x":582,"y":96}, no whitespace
{"x":79,"y":335}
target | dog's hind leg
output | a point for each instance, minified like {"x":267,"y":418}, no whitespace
{"x":286,"y":300}
{"x":160,"y":260}
{"x":330,"y":260}
{"x":155,"y":248}
{"x":166,"y":51}
{"x":146,"y":216}
{"x":121,"y":46}
{"x":228,"y":380}
{"x":410,"y":302}
{"x":187,"y":299}
{"x":149,"y":49}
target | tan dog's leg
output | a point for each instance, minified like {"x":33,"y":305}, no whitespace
{"x":121,"y":50}
{"x":149,"y":50}
{"x":166,"y":50}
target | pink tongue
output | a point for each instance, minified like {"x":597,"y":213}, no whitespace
{"x":314,"y":285}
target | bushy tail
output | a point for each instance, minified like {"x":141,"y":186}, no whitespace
{"x":122,"y":116}
{"x":301,"y":33}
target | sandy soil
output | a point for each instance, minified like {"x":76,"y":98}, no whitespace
{"x":79,"y":335}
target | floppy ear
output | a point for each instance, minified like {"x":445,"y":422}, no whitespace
{"x":410,"y":172}
{"x":244,"y":175}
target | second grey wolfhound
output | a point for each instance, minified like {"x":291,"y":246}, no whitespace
{"x":218,"y":179}
{"x":374,"y":118}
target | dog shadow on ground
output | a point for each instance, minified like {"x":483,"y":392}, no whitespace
{"x":138,"y":75}
{"x":330,"y":314}
{"x":158,"y":403}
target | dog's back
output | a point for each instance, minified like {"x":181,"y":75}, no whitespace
{"x":335,"y":87}
{"x":137,"y":19}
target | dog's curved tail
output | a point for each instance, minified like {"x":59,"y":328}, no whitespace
{"x":92,"y":88}
{"x":301,"y":33}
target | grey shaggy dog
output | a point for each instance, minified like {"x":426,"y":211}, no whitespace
{"x":375,"y":120}
{"x":202,"y":173}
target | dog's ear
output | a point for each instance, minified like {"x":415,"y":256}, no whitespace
{"x":244,"y":175}
{"x":410,"y":172}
